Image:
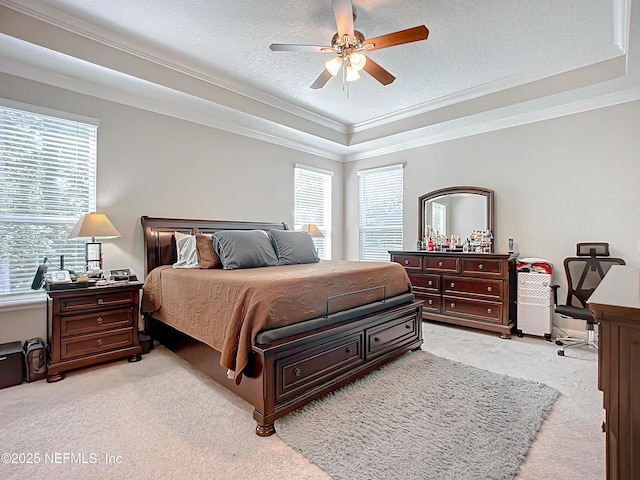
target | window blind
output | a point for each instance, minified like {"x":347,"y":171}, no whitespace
{"x":313,"y":204}
{"x":380,"y":226}
{"x":47,"y":180}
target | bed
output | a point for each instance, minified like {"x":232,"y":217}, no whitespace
{"x":313,"y":329}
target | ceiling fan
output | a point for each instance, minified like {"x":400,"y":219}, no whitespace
{"x":348,"y":46}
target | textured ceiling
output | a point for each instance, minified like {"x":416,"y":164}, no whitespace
{"x":473,"y":45}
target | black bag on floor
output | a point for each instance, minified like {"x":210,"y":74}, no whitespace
{"x":35,"y":359}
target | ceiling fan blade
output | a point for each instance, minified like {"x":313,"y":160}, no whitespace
{"x":377,"y":72}
{"x":322,"y":80}
{"x":397,"y":38}
{"x":343,"y":11}
{"x":287,"y":47}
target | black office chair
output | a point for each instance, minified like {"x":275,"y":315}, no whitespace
{"x":584,"y":273}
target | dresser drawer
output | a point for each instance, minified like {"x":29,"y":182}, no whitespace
{"x":479,"y":288}
{"x":442,"y":264}
{"x":482,"y":267}
{"x":95,"y":322}
{"x":96,"y":343}
{"x":98,"y":300}
{"x":382,"y":339}
{"x":431,"y":302}
{"x":317,"y":366}
{"x":425,"y":283}
{"x":408,"y":261}
{"x":486,"y":311}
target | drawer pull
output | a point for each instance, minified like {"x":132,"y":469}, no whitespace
{"x":348,"y":350}
{"x":453,"y":305}
{"x":430,"y":282}
{"x":297,"y":372}
{"x":481,"y":266}
{"x":376,"y":339}
{"x":99,"y":320}
{"x":489,"y":310}
{"x":100,"y":301}
{"x":489,"y":289}
{"x":440,"y":264}
{"x":408,"y":326}
{"x":430,"y":302}
{"x":99,"y":342}
{"x":406,"y":262}
{"x":453,"y":284}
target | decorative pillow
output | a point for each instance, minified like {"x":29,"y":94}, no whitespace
{"x":187,"y":251}
{"x":294,"y":247}
{"x":207,"y":257}
{"x":244,"y":249}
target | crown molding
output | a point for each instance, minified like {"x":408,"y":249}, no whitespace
{"x":410,"y":128}
{"x":100,"y":35}
{"x":461,"y":131}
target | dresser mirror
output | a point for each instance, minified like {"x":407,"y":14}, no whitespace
{"x":457,"y":211}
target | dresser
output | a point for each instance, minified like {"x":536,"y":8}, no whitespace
{"x":616,"y":306}
{"x":475,"y":290}
{"x":87,"y":326}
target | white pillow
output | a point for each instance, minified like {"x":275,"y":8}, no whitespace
{"x":187,"y":251}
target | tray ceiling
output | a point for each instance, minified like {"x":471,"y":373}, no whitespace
{"x":212,"y":56}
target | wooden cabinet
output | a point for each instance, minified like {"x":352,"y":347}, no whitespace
{"x":87,"y":326}
{"x":470,"y":289}
{"x":616,"y":306}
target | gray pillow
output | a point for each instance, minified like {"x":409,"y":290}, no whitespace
{"x":294,"y":247}
{"x":244,"y":249}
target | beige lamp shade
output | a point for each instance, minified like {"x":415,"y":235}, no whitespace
{"x":94,"y":225}
{"x":312,"y":229}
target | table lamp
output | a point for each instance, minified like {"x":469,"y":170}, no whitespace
{"x":94,"y":225}
{"x":312,"y":229}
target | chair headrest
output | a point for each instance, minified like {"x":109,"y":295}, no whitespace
{"x":592,"y":249}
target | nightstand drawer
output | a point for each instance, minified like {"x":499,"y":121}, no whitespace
{"x":104,"y":299}
{"x":96,"y":343}
{"x":95,"y":322}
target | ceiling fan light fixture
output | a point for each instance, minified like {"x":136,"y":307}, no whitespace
{"x":333,"y":65}
{"x":352,"y":74}
{"x":357,"y":61}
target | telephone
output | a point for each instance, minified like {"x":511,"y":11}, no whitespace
{"x":121,"y":275}
{"x":58,"y":276}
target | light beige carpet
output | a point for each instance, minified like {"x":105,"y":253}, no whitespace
{"x":160,"y":419}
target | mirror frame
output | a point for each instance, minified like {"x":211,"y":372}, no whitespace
{"x":485,"y":192}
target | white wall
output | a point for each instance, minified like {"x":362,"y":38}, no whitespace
{"x":150,"y":164}
{"x":556,"y":183}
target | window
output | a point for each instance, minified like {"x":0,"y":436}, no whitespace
{"x":380,"y":212}
{"x":47,"y":180}
{"x":313,"y":204}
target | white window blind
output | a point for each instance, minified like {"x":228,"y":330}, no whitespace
{"x":47,"y":180}
{"x":313,"y":204}
{"x":380,"y":192}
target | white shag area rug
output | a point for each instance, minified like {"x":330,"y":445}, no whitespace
{"x":422,"y":417}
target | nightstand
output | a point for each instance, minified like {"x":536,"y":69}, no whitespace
{"x":87,"y":326}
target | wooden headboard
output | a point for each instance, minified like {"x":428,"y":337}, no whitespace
{"x":160,"y":244}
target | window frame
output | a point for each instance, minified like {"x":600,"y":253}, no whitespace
{"x":322,"y":211}
{"x":59,"y":171}
{"x":395,"y":228}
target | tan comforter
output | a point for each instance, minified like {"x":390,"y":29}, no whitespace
{"x":227,"y":308}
